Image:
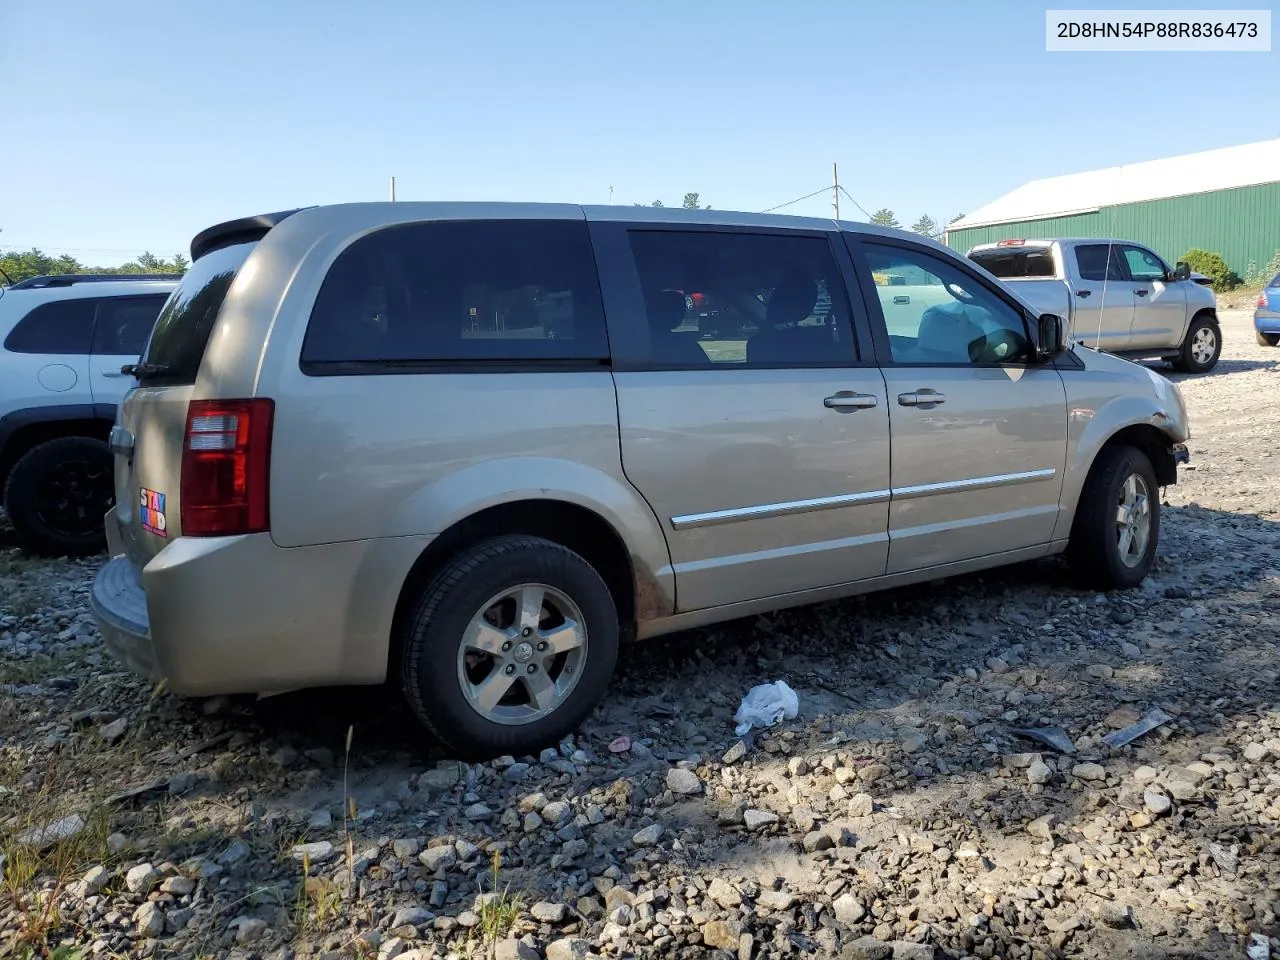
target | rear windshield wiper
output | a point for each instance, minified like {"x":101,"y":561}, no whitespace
{"x":140,"y":370}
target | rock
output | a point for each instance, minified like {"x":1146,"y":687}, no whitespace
{"x":759,"y":819}
{"x":873,"y":772}
{"x":532,"y":823}
{"x":1156,"y":801}
{"x":1042,"y":827}
{"x":412,"y":917}
{"x":776,"y":900}
{"x":1256,"y":752}
{"x":1100,"y":671}
{"x":321,"y":820}
{"x":724,"y":893}
{"x":647,"y":837}
{"x":64,"y":829}
{"x":113,"y":731}
{"x":94,"y":880}
{"x":867,"y":948}
{"x":849,"y":909}
{"x":568,"y":948}
{"x":142,"y":878}
{"x":906,"y":950}
{"x":546,"y":912}
{"x":511,"y":949}
{"x":1089,"y":771}
{"x":406,"y":849}
{"x":438,"y":858}
{"x":478,"y":812}
{"x":516,"y":772}
{"x":683,"y":782}
{"x":1182,"y":782}
{"x":815,"y":841}
{"x":468,"y":919}
{"x":1145,"y":774}
{"x":861,"y":805}
{"x":1121,"y":717}
{"x":722,"y":934}
{"x":556,"y":813}
{"x":445,"y":776}
{"x":178,"y":886}
{"x":736,"y":751}
{"x":148,"y":920}
{"x":317,"y":852}
{"x":235,"y":852}
{"x":249,"y":929}
{"x":1038,"y":773}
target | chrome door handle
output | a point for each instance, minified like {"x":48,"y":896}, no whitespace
{"x":846,"y":400}
{"x":921,"y":398}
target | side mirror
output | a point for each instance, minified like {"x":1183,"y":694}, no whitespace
{"x":1051,"y":332}
{"x":1182,"y":271}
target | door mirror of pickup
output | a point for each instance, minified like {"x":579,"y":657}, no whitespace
{"x":1182,"y":271}
{"x":1051,"y":332}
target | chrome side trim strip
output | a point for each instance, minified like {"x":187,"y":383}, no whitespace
{"x":976,"y":483}
{"x":787,"y":508}
{"x":691,"y":520}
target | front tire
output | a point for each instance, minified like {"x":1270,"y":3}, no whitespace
{"x":1117,"y":525}
{"x":58,"y":494}
{"x":1268,"y":339}
{"x":1200,"y":348}
{"x":509,"y":648}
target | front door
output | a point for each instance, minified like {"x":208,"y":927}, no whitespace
{"x":763,"y":447}
{"x":120,"y":332}
{"x":1159,"y":305}
{"x":979,"y":432}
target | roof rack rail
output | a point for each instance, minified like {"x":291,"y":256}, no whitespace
{"x":242,"y":230}
{"x":70,"y":279}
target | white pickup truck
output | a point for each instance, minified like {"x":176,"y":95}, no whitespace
{"x":1115,"y":295}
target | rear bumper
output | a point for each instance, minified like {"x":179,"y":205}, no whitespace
{"x":225,"y":615}
{"x":1266,"y":321}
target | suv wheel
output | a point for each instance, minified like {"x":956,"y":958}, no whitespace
{"x":1268,"y":339}
{"x":1201,"y":348}
{"x":510,"y":646}
{"x":1117,"y":525}
{"x":58,"y":495}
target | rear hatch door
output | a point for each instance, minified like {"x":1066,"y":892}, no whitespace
{"x":152,"y":420}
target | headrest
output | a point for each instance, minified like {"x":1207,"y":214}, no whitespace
{"x":792,"y":300}
{"x":666,"y":310}
{"x":947,"y":330}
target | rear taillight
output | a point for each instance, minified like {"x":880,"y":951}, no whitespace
{"x":226,"y":455}
{"x":1262,"y":300}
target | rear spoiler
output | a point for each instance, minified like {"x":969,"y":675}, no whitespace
{"x":236,"y":231}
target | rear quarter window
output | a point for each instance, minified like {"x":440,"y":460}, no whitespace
{"x":60,"y":327}
{"x":181,"y":332}
{"x":486,"y":291}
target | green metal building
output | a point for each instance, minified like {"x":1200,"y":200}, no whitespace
{"x":1226,"y":201}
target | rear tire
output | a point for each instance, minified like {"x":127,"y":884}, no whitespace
{"x":1201,"y":347}
{"x":1117,"y":524}
{"x":509,"y":647}
{"x":1268,"y":339}
{"x":58,"y":495}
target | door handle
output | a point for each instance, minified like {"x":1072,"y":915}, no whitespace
{"x":1141,"y":293}
{"x":921,"y":398}
{"x":1083,"y":293}
{"x":846,"y":400}
{"x":112,"y":373}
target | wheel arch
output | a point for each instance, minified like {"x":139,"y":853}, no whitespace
{"x":23,"y":430}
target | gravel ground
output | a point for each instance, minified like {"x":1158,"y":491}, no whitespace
{"x":900,"y":815}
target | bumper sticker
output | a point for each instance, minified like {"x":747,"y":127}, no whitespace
{"x":151,"y":511}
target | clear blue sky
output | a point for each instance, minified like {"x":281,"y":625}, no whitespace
{"x":131,"y":125}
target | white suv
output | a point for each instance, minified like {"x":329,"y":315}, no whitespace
{"x":63,"y":340}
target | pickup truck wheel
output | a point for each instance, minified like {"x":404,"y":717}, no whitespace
{"x":1268,"y":339}
{"x":58,"y":494}
{"x":1117,"y":524}
{"x":509,"y":647}
{"x":1201,"y":347}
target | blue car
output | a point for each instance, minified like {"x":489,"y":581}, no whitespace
{"x":1266,"y":315}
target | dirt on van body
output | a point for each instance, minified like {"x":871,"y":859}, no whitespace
{"x":902,"y":814}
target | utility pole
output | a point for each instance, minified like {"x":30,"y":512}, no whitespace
{"x":835,"y":189}
{"x":393,"y":189}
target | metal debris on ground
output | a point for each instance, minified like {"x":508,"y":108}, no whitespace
{"x":1054,"y":737}
{"x":1259,"y":947}
{"x":1154,"y":718}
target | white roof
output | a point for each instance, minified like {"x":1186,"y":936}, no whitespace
{"x":1222,"y":169}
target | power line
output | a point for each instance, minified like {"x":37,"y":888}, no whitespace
{"x":853,"y":201}
{"x":796,"y":200}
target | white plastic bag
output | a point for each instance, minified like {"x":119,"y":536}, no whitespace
{"x":766,"y":705}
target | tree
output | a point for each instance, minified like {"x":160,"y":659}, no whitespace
{"x":21,"y":265}
{"x":926,"y":227}
{"x":690,"y":202}
{"x":884,"y":217}
{"x":1213,"y":266}
{"x":958,"y":216}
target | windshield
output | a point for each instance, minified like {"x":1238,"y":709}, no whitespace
{"x":182,"y":331}
{"x":1023,"y":262}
